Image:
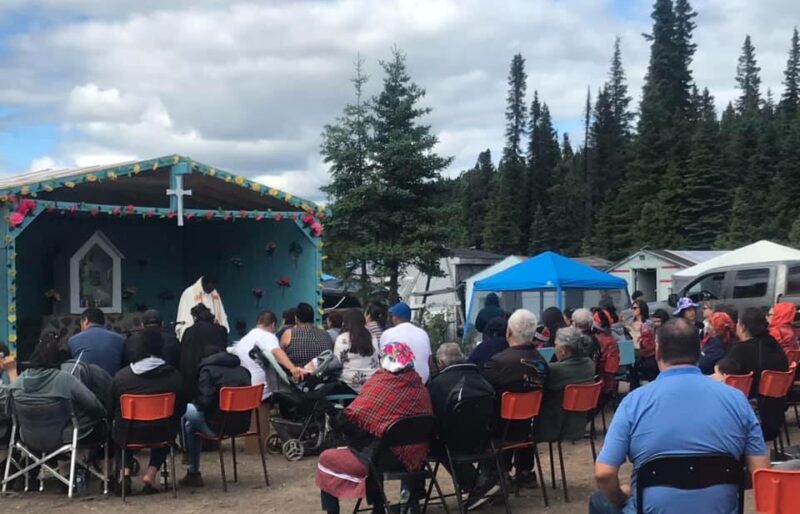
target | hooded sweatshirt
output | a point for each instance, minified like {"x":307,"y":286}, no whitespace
{"x":780,"y":328}
{"x":491,"y":309}
{"x":218,"y":371}
{"x":43,"y":384}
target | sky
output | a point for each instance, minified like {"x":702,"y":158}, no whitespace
{"x":248,"y":86}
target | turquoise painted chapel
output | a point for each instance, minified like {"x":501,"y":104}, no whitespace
{"x":132,"y":236}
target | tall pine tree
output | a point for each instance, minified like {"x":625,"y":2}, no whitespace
{"x":477,"y":188}
{"x":748,"y":80}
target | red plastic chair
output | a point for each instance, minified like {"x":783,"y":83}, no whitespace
{"x":521,"y":407}
{"x":577,"y":398}
{"x":743,"y":383}
{"x":793,"y":356}
{"x":776,"y":491}
{"x":778,"y":384}
{"x":237,"y":400}
{"x":152,"y":409}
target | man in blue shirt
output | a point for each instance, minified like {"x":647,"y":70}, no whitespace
{"x":94,"y":344}
{"x":681,"y":412}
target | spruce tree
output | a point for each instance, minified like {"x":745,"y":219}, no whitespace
{"x":406,"y":203}
{"x":475,"y":194}
{"x":345,"y":146}
{"x":791,"y":78}
{"x":516,"y":112}
{"x":738,"y":227}
{"x":747,"y":79}
{"x":539,"y":233}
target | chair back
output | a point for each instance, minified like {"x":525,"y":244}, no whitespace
{"x":409,"y":430}
{"x":776,"y":491}
{"x":240,"y":399}
{"x":469,"y":425}
{"x":627,"y":353}
{"x":147,"y":407}
{"x":776,"y":384}
{"x":520,"y":406}
{"x":689,"y":472}
{"x":793,"y":356}
{"x":743,"y":383}
{"x":41,"y":421}
{"x":581,"y":397}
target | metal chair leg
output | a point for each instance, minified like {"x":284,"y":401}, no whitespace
{"x":441,"y":496}
{"x":552,"y":467}
{"x":261,"y":449}
{"x":174,"y":479}
{"x":786,"y":432}
{"x":796,"y":414}
{"x":456,"y":485}
{"x":503,"y":483}
{"x":122,"y":475}
{"x":541,"y":477}
{"x":233,"y":454}
{"x":222,"y":468}
{"x":563,"y":472}
{"x":72,"y":459}
{"x":358,"y":504}
{"x":9,"y":458}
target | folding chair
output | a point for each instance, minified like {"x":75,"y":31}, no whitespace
{"x":743,"y":383}
{"x":521,"y":407}
{"x":37,"y":434}
{"x":153,"y":412}
{"x":773,"y":391}
{"x":234,"y":401}
{"x":776,"y":491}
{"x":403,"y":432}
{"x":577,"y":398}
{"x":466,"y":436}
{"x":689,"y":472}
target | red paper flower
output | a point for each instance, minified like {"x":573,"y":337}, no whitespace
{"x":227,"y":217}
{"x":51,"y":208}
{"x":316,"y":229}
{"x":73,"y":209}
{"x":190,"y":216}
{"x":26,"y":206}
{"x":284,"y":282}
{"x":12,"y":198}
{"x":243,"y":213}
{"x":150,"y":214}
{"x":94,"y":212}
{"x":131,"y":209}
{"x":170,"y":215}
{"x":278,"y":217}
{"x":308,"y":219}
{"x":16,"y":219}
{"x":294,"y":217}
{"x":116,"y":211}
{"x":259,"y":217}
{"x":210,"y":215}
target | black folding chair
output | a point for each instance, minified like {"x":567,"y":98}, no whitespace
{"x":36,"y":434}
{"x":690,"y":472}
{"x":403,"y":432}
{"x":466,"y":437}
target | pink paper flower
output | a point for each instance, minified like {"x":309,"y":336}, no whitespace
{"x":278,"y":217}
{"x":116,"y":211}
{"x":210,"y":215}
{"x":284,"y":282}
{"x":243,"y":213}
{"x":130,"y":209}
{"x":16,"y":219}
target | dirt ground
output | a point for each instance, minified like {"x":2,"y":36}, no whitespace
{"x":292,"y":490}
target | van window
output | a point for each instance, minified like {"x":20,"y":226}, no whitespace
{"x":793,"y":281}
{"x":707,"y":287}
{"x":751,"y":283}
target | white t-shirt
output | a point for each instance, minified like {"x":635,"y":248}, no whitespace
{"x":264,"y":340}
{"x":416,"y":339}
{"x":356,"y":369}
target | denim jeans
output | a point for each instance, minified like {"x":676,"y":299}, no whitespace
{"x":599,"y":504}
{"x":195,"y":421}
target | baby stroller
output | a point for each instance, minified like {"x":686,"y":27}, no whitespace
{"x":304,"y":427}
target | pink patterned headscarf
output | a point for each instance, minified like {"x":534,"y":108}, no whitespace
{"x":397,"y":357}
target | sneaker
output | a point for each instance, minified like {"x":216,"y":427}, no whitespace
{"x":192,"y":480}
{"x":483,"y":490}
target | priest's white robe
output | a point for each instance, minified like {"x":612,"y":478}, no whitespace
{"x":193,"y":295}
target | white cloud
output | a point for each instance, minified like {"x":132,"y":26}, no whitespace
{"x":248,"y":86}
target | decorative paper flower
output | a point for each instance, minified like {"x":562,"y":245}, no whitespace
{"x":284,"y":282}
{"x":136,"y":169}
{"x":259,"y":217}
{"x":12,"y":338}
{"x":278,"y":217}
{"x":130,"y":209}
{"x":239,"y":180}
{"x":95,"y":211}
{"x":12,"y":198}
{"x":73,"y":209}
{"x":91,"y":178}
{"x":295,"y":217}
{"x":236,"y":261}
{"x":150,"y":214}
{"x":269,"y":248}
{"x":16,"y":219}
{"x":69,"y":184}
{"x":190,"y":216}
{"x":212,"y":172}
{"x":53,"y":295}
{"x":258,"y":293}
{"x":51,"y":208}
{"x":116,"y":211}
{"x":24,"y":191}
{"x":3,"y":198}
{"x":170,"y":215}
{"x":316,"y":229}
{"x":227,"y":178}
{"x":210,"y":215}
{"x":48,"y":187}
{"x":288,"y":197}
{"x":308,"y":219}
{"x":242,"y":213}
{"x":227,"y":217}
{"x":255,"y":186}
{"x":111,"y":175}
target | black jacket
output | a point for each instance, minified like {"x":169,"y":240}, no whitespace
{"x":193,"y":344}
{"x":218,"y":371}
{"x":163,"y":379}
{"x":754,"y":355}
{"x":506,"y":373}
{"x":456,"y":383}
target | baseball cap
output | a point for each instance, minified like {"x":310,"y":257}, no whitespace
{"x":151,"y":317}
{"x":401,"y":310}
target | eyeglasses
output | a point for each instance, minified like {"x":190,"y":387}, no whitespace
{"x":635,"y":307}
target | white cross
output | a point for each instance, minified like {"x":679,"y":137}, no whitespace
{"x":179,"y":192}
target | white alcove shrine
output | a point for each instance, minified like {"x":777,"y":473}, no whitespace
{"x":95,"y":276}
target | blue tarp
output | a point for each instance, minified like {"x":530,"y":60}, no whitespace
{"x":549,"y":271}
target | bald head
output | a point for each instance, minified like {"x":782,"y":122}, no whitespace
{"x":677,"y":342}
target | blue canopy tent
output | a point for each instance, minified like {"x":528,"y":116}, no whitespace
{"x":547,"y":271}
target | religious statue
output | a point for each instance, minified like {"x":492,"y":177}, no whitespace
{"x":203,"y":291}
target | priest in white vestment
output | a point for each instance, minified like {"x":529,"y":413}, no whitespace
{"x":203,"y":291}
